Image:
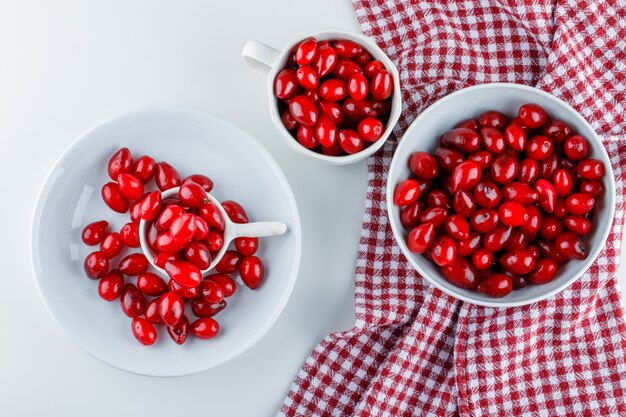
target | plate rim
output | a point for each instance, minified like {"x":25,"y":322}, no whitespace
{"x":296,"y":229}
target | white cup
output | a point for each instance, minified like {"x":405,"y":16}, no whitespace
{"x":270,"y":61}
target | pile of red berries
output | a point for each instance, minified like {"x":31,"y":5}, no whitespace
{"x":501,"y":203}
{"x":185,"y":233}
{"x":333,"y":96}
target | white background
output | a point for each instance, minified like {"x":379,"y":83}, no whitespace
{"x":67,"y":65}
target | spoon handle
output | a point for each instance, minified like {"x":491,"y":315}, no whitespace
{"x":259,"y":229}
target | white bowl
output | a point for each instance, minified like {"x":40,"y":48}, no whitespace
{"x":193,"y":142}
{"x":266,"y":58}
{"x":423,"y":135}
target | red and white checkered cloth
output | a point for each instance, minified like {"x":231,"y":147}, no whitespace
{"x":416,"y":351}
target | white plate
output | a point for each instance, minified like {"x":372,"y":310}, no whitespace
{"x":423,"y":135}
{"x":193,"y":142}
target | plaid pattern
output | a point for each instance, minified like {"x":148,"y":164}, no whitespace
{"x":416,"y":351}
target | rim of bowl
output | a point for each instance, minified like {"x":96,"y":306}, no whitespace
{"x":609,"y":194}
{"x":279,"y":307}
{"x":396,"y":97}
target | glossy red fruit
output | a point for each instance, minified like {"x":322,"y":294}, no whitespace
{"x":406,"y":192}
{"x":314,"y":95}
{"x":533,"y":224}
{"x":556,"y":130}
{"x":180,"y":331}
{"x":151,"y":284}
{"x":228,"y":285}
{"x":463,"y":203}
{"x":528,"y":171}
{"x":551,"y":227}
{"x":151,"y":312}
{"x":482,"y":259}
{"x":235,"y":211}
{"x":333,"y":89}
{"x":144,"y":331}
{"x":498,"y":238}
{"x":409,"y":215}
{"x":448,"y":159}
{"x":504,"y":168}
{"x":482,"y":158}
{"x":163,"y":257}
{"x":151,"y":206}
{"x":203,"y":308}
{"x":166,"y":243}
{"x":288,"y":121}
{"x":332,"y":110}
{"x":571,"y":246}
{"x":111,"y":285}
{"x":113,"y":197}
{"x":130,"y":235}
{"x":519,"y":193}
{"x":532,"y":115}
{"x":548,"y":250}
{"x":519,"y":262}
{"x":166,"y":176}
{"x":591,"y":187}
{"x":96,"y":265}
{"x":469,"y":124}
{"x":518,"y":240}
{"x":251,"y":271}
{"x":211,"y":291}
{"x":306,"y":51}
{"x":484,"y":220}
{"x":184,"y":273}
{"x":303,"y":109}
{"x":325,"y":132}
{"x":577,"y":224}
{"x":95,"y":232}
{"x":167,"y":216}
{"x":213,"y":216}
{"x":171,"y":308}
{"x":183,"y":229}
{"x":493,"y":140}
{"x":350,"y":141}
{"x":325,"y":60}
{"x":306,"y":136}
{"x":111,"y":245}
{"x":579,"y":203}
{"x":576,"y":148}
{"x":465,"y":176}
{"x":358,"y":86}
{"x":435,"y":215}
{"x":457,"y":227}
{"x":424,"y":165}
{"x":545,"y":270}
{"x":559,"y":208}
{"x":381,"y":85}
{"x":345,"y":68}
{"x":487,"y":195}
{"x":285,"y":84}
{"x":443,"y":250}
{"x":539,"y":148}
{"x":497,"y":285}
{"x":205,"y":328}
{"x":590,"y":169}
{"x":192,"y":195}
{"x":421,"y":238}
{"x":214,"y":241}
{"x":547,"y":195}
{"x":512,"y":214}
{"x":134,"y":264}
{"x":202,"y":229}
{"x":463,"y":139}
{"x":120,"y":163}
{"x":515,"y":138}
{"x":132,"y":301}
{"x":563,"y":184}
{"x":229,"y":262}
{"x":372,"y":68}
{"x":307,"y":77}
{"x":439,"y":198}
{"x":185,"y":292}
{"x":135,"y":210}
{"x":130,"y":186}
{"x":493,"y":119}
{"x":363,"y":58}
{"x":460,"y":273}
{"x":468,"y":246}
{"x":371,"y":129}
{"x":144,"y":168}
{"x":198,"y":254}
{"x":347,"y":49}
{"x":246,"y":246}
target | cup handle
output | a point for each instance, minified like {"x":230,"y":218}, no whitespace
{"x":260,"y":56}
{"x":259,"y":229}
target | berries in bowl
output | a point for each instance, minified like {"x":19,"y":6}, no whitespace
{"x":503,"y":205}
{"x":335,"y":95}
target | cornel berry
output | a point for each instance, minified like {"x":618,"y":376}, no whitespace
{"x":333,"y":96}
{"x":185,"y":232}
{"x":502,"y":202}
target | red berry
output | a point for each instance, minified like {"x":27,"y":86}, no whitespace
{"x":96,"y":265}
{"x":144,"y":331}
{"x":94,"y":232}
{"x":120,"y":163}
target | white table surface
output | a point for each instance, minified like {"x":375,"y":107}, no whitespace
{"x":67,"y":65}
